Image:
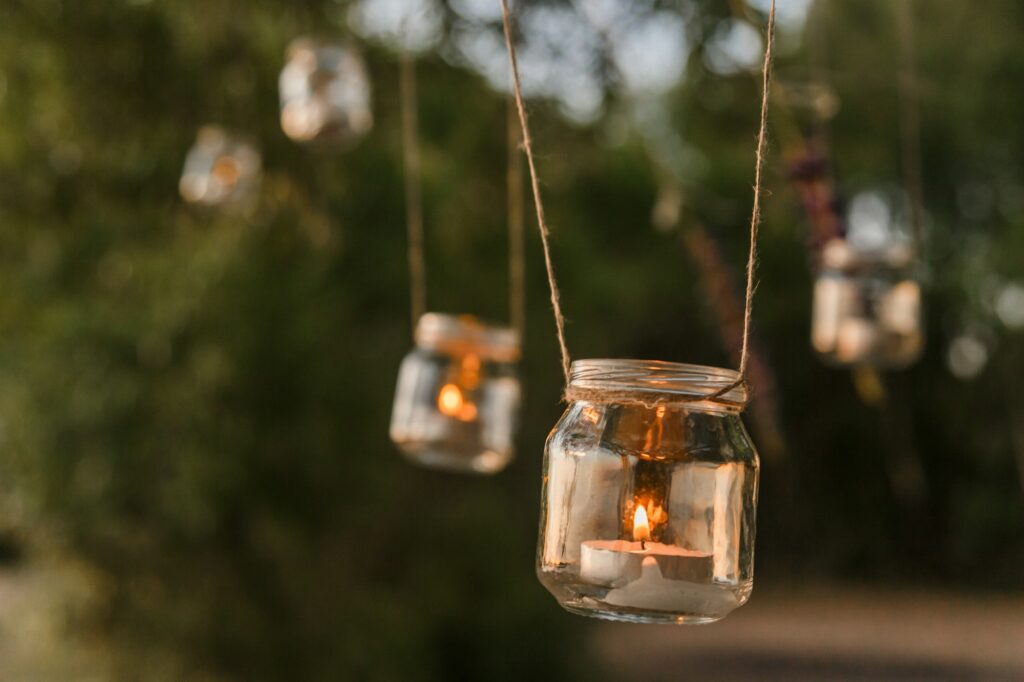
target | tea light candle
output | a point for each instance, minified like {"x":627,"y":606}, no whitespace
{"x":652,"y":591}
{"x":616,"y":562}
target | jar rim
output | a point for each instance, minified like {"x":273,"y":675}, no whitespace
{"x":658,"y":380}
{"x":467,"y":334}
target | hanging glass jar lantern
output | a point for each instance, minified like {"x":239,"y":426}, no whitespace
{"x":867,"y":306}
{"x":220,"y":169}
{"x":650,"y":493}
{"x":325,"y":93}
{"x":457,"y":400}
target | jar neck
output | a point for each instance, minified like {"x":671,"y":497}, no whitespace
{"x":653,"y":382}
{"x":466,"y":335}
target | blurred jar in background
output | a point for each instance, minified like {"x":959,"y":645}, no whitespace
{"x":867,"y":307}
{"x":325,"y":93}
{"x":457,"y":400}
{"x":650,"y":493}
{"x":220,"y":170}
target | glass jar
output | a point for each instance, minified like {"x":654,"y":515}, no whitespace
{"x":457,"y":401}
{"x":220,"y":169}
{"x":867,"y":307}
{"x":325,"y":93}
{"x":650,"y":493}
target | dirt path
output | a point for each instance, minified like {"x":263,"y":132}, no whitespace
{"x":831,"y":634}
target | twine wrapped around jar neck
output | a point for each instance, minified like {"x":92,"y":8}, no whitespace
{"x":465,"y":334}
{"x":755,"y":215}
{"x":653,"y":383}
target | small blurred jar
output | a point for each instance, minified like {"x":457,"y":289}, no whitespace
{"x":220,"y":169}
{"x":650,"y":493}
{"x":867,"y":307}
{"x":325,"y":93}
{"x":457,"y":400}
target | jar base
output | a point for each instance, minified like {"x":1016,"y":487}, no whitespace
{"x":431,"y":457}
{"x":623,"y":615}
{"x":681,"y":603}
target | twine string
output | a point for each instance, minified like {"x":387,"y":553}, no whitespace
{"x":910,"y":124}
{"x":755,"y":212}
{"x":413,"y":193}
{"x":414,"y":206}
{"x":542,"y":224}
{"x":755,"y":218}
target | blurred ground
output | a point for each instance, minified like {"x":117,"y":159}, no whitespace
{"x":819,"y":633}
{"x":832,"y":634}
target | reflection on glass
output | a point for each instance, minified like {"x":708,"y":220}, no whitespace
{"x":457,"y":400}
{"x":325,"y":93}
{"x":867,"y":307}
{"x":648,"y":507}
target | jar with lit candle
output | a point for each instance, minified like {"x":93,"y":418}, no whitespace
{"x":325,"y":93}
{"x":650,"y":492}
{"x":457,"y":400}
{"x":220,"y":170}
{"x":867,"y":306}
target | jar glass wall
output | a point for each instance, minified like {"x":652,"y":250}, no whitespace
{"x":457,"y":399}
{"x":867,"y":307}
{"x":650,"y":493}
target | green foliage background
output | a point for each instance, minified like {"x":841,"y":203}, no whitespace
{"x":194,"y":403}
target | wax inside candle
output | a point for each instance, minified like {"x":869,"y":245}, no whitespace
{"x":616,"y":562}
{"x":652,"y":591}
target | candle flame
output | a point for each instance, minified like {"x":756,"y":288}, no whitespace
{"x":455,"y":398}
{"x":450,"y":400}
{"x":225,"y":169}
{"x":641,"y":528}
{"x":452,"y":403}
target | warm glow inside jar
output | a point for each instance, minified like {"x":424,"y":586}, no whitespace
{"x":867,"y":307}
{"x":457,"y":401}
{"x":650,"y":493}
{"x":325,"y":93}
{"x":220,"y":170}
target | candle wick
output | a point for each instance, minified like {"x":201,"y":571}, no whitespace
{"x":643,"y":545}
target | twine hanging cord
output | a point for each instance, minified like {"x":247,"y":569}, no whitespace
{"x":910,"y":124}
{"x":413,"y":194}
{"x":542,"y":223}
{"x":414,"y":207}
{"x":755,"y":220}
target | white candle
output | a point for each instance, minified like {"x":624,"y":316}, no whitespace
{"x":652,"y":591}
{"x":616,"y":562}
